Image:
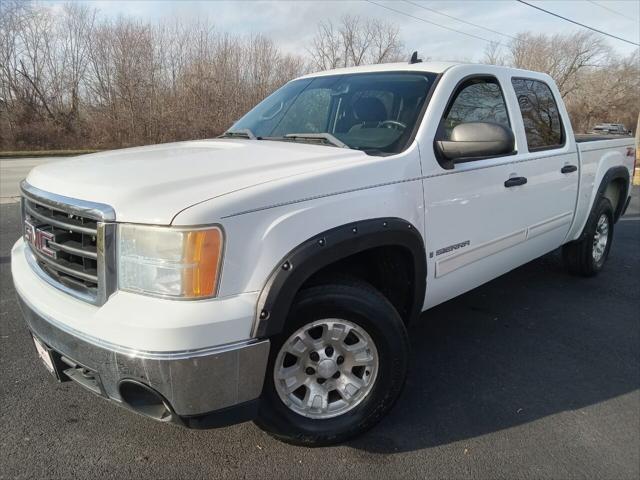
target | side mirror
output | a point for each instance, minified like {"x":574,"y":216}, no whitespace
{"x":473,"y":140}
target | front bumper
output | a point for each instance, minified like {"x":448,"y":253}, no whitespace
{"x":194,"y":384}
{"x":155,"y":344}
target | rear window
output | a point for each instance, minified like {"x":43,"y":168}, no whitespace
{"x":542,"y":123}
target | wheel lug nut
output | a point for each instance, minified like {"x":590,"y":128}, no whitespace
{"x":322,"y":380}
{"x":329,"y":351}
{"x":310,"y":371}
{"x":340,"y":359}
{"x":336,"y":375}
{"x":314,"y":356}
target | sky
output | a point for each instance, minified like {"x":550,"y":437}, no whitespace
{"x":292,"y":24}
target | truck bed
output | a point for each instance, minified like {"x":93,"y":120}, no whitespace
{"x":592,"y":137}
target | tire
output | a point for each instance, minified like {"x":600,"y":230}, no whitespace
{"x":331,"y":306}
{"x":587,"y":256}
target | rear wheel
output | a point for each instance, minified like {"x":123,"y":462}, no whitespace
{"x":338,"y":367}
{"x":587,"y":256}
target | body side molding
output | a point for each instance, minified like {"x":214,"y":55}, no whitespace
{"x":549,"y":224}
{"x":331,"y":246}
{"x":462,"y":258}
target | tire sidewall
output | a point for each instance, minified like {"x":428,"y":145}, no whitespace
{"x":604,"y":207}
{"x":380,"y":320}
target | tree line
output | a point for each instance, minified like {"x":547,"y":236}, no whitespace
{"x":596,"y":84}
{"x":73,"y":79}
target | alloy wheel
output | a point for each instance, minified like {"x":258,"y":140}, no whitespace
{"x":326,"y":368}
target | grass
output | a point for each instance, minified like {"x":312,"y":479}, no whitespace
{"x":44,"y":153}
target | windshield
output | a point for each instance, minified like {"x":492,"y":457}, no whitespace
{"x":374,"y":112}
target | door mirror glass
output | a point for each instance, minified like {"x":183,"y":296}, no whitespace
{"x":476,"y":140}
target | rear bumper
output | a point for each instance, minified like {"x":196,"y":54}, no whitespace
{"x":201,"y":388}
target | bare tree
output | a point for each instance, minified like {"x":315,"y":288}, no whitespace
{"x":76,"y":34}
{"x":493,"y":54}
{"x":610,"y":94}
{"x":354,"y":41}
{"x":75,"y":79}
{"x":596,"y":85}
{"x":11,"y":15}
{"x":563,"y":57}
{"x":326,"y":50}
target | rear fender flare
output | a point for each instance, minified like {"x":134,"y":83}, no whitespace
{"x":614,"y":173}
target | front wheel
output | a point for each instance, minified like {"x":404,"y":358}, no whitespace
{"x":587,"y":256}
{"x":337,"y":368}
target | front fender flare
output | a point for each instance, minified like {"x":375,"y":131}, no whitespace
{"x":326,"y":248}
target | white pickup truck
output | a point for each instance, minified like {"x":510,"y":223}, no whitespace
{"x":271,"y":274}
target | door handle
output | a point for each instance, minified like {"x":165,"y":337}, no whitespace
{"x":515,"y":181}
{"x":568,"y":169}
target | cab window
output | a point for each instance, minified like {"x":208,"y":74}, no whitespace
{"x":540,"y":115}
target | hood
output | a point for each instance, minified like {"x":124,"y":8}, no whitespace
{"x":152,"y":184}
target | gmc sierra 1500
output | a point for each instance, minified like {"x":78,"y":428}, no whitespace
{"x":271,"y":274}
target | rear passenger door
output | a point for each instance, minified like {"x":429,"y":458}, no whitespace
{"x":550,"y":164}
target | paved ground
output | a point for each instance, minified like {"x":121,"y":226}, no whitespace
{"x":534,"y":375}
{"x":13,"y":170}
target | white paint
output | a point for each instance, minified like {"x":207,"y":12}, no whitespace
{"x":152,"y":184}
{"x":271,"y":196}
{"x":136,"y":321}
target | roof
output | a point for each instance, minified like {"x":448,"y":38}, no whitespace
{"x":434,"y":67}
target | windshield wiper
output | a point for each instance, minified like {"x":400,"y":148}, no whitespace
{"x":242,"y":133}
{"x":327,"y":137}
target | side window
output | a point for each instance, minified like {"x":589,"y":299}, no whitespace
{"x":542,"y":123}
{"x":476,"y":100}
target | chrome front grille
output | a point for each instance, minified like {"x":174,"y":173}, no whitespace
{"x":64,"y":244}
{"x":71,"y":243}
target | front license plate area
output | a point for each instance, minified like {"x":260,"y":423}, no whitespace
{"x":44,"y":353}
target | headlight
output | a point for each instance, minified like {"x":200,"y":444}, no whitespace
{"x":169,"y":262}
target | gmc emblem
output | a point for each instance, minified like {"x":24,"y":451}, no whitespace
{"x":39,"y":239}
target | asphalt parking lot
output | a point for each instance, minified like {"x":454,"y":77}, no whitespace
{"x":13,"y":170}
{"x":534,"y":375}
